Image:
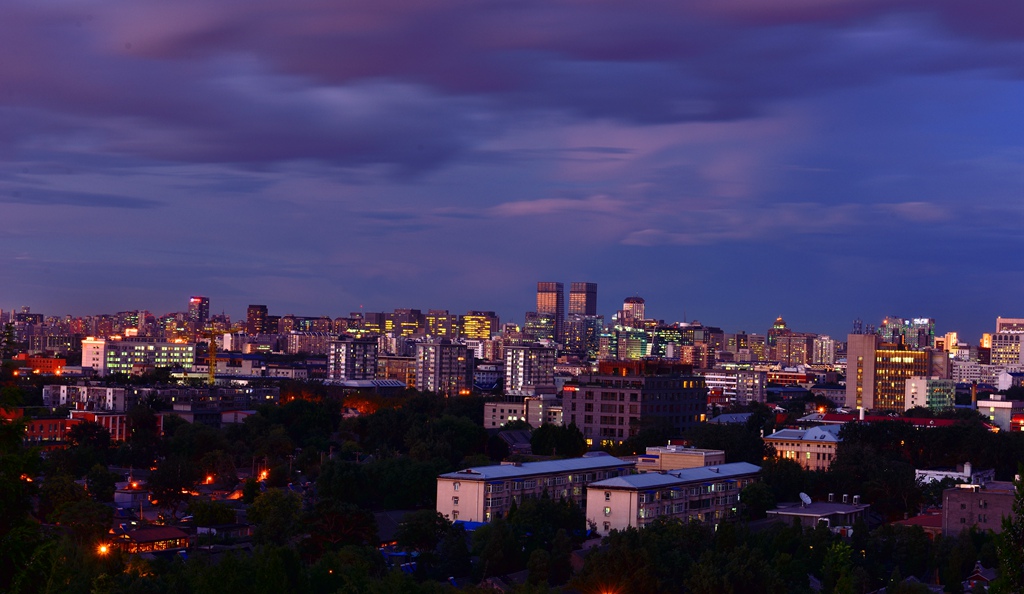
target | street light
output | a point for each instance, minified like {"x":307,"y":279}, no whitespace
{"x":103,"y":549}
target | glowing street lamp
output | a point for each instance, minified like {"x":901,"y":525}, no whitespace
{"x":103,"y":549}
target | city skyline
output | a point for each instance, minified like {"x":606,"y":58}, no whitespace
{"x":856,"y":326}
{"x":730,"y":162}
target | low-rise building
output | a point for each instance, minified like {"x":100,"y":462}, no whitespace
{"x":708,"y":494}
{"x":983,"y":506}
{"x":933,"y":393}
{"x":485,"y":493}
{"x":535,"y":410}
{"x":674,"y":457}
{"x":813,"y":449}
{"x":831,"y":513}
{"x":964,"y":473}
{"x":1000,"y":411}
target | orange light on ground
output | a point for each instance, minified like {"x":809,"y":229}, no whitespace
{"x":26,"y":478}
{"x":135,"y":485}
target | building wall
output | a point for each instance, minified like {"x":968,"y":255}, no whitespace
{"x":482,"y":500}
{"x":709,"y":501}
{"x":928,"y":392}
{"x":610,"y":408}
{"x":983,"y":507}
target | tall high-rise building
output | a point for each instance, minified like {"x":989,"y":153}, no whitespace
{"x":529,"y":370}
{"x":255,"y":319}
{"x":539,"y":326}
{"x":916,"y":333}
{"x":444,"y":367}
{"x":198,"y":311}
{"x":877,"y":372}
{"x":583,"y":299}
{"x":633,"y":309}
{"x":352,"y":359}
{"x":480,"y":325}
{"x":1009,"y":324}
{"x":441,"y":324}
{"x":551,"y":300}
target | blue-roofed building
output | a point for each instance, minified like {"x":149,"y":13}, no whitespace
{"x":813,"y":449}
{"x":484,"y":493}
{"x":708,"y":494}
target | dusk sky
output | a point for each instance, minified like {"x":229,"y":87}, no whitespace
{"x":729,"y":161}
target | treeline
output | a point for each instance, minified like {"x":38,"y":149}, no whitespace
{"x":669,"y":556}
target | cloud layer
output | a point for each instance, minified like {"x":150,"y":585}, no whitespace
{"x":322,"y":155}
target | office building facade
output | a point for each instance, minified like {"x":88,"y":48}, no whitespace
{"x":551,"y":300}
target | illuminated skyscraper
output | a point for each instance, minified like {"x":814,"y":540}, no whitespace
{"x":198,"y":311}
{"x":255,"y":319}
{"x":480,"y":324}
{"x":583,"y":299}
{"x":877,"y":372}
{"x":633,"y":309}
{"x":551,"y":300}
{"x":352,"y":359}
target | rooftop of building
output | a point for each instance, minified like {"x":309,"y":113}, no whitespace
{"x":678,"y":449}
{"x":828,"y":433}
{"x":656,"y":480}
{"x":525,"y":469}
{"x":817,"y":508}
{"x":731,"y":419}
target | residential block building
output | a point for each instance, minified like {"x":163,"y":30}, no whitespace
{"x":444,"y":367}
{"x":612,"y":405}
{"x":707,"y":494}
{"x":485,"y":493}
{"x":352,"y":358}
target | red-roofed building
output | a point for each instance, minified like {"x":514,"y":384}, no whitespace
{"x":930,"y":523}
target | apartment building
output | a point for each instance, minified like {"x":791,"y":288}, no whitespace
{"x":708,"y":494}
{"x":485,"y":493}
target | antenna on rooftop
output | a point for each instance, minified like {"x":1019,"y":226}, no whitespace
{"x":805,"y":498}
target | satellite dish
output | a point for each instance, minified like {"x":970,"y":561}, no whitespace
{"x":805,"y":498}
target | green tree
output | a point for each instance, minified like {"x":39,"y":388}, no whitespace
{"x":210,"y":513}
{"x":422,"y":530}
{"x":276,"y":515}
{"x":172,"y":482}
{"x":563,"y":441}
{"x":101,"y":483}
{"x":757,"y":498}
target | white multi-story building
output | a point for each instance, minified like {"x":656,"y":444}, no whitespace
{"x":740,"y":386}
{"x":97,"y":398}
{"x":485,"y":493}
{"x":529,"y":370}
{"x":135,"y":355}
{"x":444,"y":367}
{"x":1006,"y":348}
{"x":535,"y":410}
{"x":823,"y":350}
{"x":707,"y":494}
{"x":352,"y":359}
{"x":929,"y":392}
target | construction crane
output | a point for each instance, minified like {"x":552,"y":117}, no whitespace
{"x":211,"y":335}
